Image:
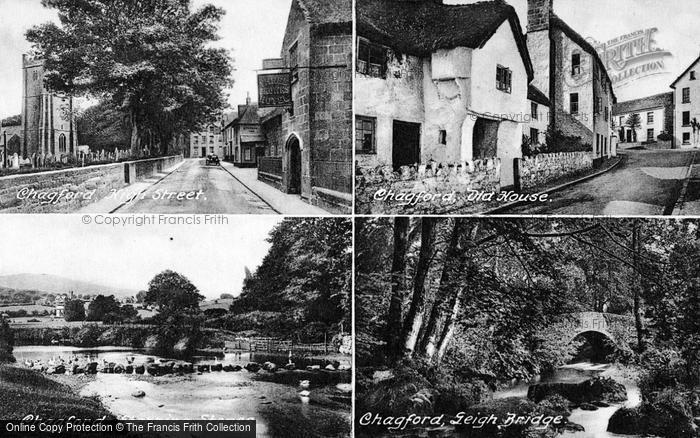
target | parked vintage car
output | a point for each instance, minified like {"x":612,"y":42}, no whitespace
{"x":213,"y":160}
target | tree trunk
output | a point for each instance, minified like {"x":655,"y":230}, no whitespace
{"x":449,"y":328}
{"x":135,"y":135}
{"x":636,"y":246}
{"x":398,"y":266}
{"x":429,"y":342}
{"x":416,"y":313}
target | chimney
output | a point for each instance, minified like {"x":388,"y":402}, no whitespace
{"x":538,"y":14}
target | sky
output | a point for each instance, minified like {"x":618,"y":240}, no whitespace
{"x":211,"y":256}
{"x":251,"y":29}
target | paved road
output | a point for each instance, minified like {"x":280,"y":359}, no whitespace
{"x":645,"y":183}
{"x":217,"y":192}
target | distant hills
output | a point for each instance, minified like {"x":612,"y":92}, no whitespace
{"x":59,"y":285}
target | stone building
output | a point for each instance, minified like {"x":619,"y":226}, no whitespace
{"x":48,"y":123}
{"x":655,"y":115}
{"x":209,"y":141}
{"x":570,"y":73}
{"x":314,"y":134}
{"x":244,"y":135}
{"x":686,"y":98}
{"x":440,"y":83}
{"x":537,"y":122}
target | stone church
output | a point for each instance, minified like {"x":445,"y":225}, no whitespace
{"x":48,"y":123}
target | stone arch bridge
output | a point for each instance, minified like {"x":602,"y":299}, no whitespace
{"x":620,"y":329}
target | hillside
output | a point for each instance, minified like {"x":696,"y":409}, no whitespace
{"x":59,"y":285}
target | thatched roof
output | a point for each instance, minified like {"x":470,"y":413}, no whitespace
{"x":419,"y":27}
{"x":326,"y":11}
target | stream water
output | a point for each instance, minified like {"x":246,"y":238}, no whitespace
{"x":594,"y":422}
{"x":216,"y":395}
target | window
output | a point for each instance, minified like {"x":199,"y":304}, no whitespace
{"x":365,"y":128}
{"x":442,"y":137}
{"x":650,"y":118}
{"x":622,"y":120}
{"x":692,"y":75}
{"x":575,"y":64}
{"x":371,"y":59}
{"x":597,"y":144}
{"x":62,"y":143}
{"x":650,"y":135}
{"x":533,"y":110}
{"x":247,"y":154}
{"x":686,"y":138}
{"x":534,"y":136}
{"x":606,"y":114}
{"x":196,"y":140}
{"x":211,"y":150}
{"x":686,"y":95}
{"x":686,"y":118}
{"x":294,"y":62}
{"x":573,"y":105}
{"x":598,"y":105}
{"x":504,"y":79}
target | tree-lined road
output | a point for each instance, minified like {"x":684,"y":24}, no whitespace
{"x":211,"y":189}
{"x":645,"y":183}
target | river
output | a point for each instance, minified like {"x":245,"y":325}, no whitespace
{"x":594,"y":422}
{"x":215,"y":395}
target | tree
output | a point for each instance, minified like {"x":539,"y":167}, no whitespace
{"x":398,"y":267}
{"x":151,"y":59}
{"x":634,"y":122}
{"x":140,"y":296}
{"x":104,"y":127}
{"x":172,"y":293}
{"x":7,"y":341}
{"x":227,"y":296}
{"x":101,"y":306}
{"x":74,"y":310}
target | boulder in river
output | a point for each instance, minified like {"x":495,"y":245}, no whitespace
{"x":140,"y":369}
{"x":138,"y":394}
{"x":269,"y":366}
{"x":625,"y":421}
{"x":119,"y":369}
{"x":153,"y":369}
{"x":203,"y":368}
{"x":588,"y":407}
{"x":91,"y":368}
{"x":596,"y":389}
{"x":129,"y":369}
{"x":253,"y":367}
{"x":217,"y":367}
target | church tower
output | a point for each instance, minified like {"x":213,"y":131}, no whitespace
{"x":48,"y":126}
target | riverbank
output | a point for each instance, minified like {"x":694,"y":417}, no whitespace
{"x":27,"y":392}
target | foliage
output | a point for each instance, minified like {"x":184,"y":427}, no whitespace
{"x":103,"y":127}
{"x":556,"y":142}
{"x":171,"y":293}
{"x":151,"y":59}
{"x":304,"y":280}
{"x":87,"y":336}
{"x":12,"y":120}
{"x":74,"y":310}
{"x":227,"y":296}
{"x":634,"y":122}
{"x":7,"y":341}
{"x":101,"y":306}
{"x":665,"y":136}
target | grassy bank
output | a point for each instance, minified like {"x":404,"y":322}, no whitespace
{"x":24,"y":392}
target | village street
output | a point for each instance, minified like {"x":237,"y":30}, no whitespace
{"x":645,"y":183}
{"x":219,"y":192}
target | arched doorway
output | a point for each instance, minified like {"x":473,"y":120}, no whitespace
{"x":293,"y":165}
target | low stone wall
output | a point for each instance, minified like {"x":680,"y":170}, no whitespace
{"x":270,"y":171}
{"x":65,"y":191}
{"x":534,"y":173}
{"x":428,"y":189}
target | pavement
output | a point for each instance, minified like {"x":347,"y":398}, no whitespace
{"x":646,"y":183}
{"x":689,"y":200}
{"x":193,"y":187}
